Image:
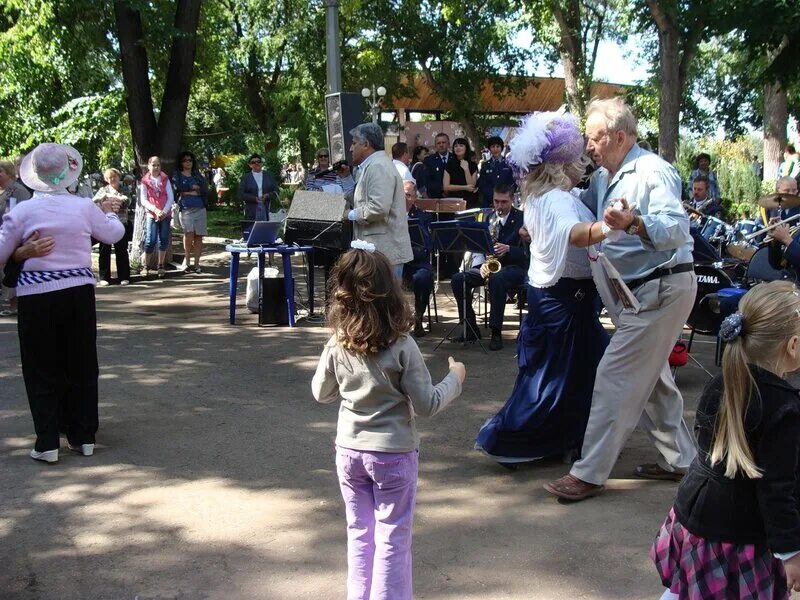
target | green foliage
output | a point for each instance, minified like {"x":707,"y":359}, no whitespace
{"x":457,"y":45}
{"x":732,"y":161}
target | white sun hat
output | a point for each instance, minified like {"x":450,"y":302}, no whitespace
{"x":51,"y":167}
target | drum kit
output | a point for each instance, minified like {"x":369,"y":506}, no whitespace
{"x":733,"y":256}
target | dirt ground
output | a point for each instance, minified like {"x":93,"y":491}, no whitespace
{"x":214,"y":477}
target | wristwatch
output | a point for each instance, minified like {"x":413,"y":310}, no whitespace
{"x":634,"y":227}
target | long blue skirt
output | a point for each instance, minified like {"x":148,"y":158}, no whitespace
{"x":560,"y":345}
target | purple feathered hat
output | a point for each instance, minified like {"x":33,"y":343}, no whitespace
{"x":545,"y":137}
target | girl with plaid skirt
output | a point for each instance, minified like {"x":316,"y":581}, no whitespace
{"x":734,"y":530}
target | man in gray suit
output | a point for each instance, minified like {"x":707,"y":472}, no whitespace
{"x":379,"y":204}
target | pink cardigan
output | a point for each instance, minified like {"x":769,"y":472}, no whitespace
{"x":72,"y":221}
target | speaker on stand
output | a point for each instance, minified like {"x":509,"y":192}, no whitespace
{"x":343,"y":111}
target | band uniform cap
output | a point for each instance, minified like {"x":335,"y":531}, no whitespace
{"x":51,"y":167}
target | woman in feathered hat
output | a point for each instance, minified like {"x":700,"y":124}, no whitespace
{"x":561,"y":339}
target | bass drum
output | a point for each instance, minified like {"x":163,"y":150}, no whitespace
{"x":760,"y":268}
{"x":705,"y":316}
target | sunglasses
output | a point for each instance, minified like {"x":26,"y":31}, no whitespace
{"x":255,"y":162}
{"x":323,"y":156}
{"x":187,"y":160}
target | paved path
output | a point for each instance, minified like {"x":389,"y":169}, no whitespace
{"x":214,"y":477}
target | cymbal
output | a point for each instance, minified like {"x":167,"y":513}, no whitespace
{"x":779,"y":201}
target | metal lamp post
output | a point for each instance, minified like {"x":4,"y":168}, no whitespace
{"x":377,"y":94}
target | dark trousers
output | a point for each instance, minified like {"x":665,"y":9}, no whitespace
{"x":57,"y":340}
{"x":421,"y":278}
{"x":121,"y":255}
{"x":499,"y":285}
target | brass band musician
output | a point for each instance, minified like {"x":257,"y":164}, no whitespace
{"x":784,"y":249}
{"x":512,"y":255}
{"x":418,"y":273}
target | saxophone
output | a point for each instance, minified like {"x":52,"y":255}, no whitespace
{"x":492,"y":262}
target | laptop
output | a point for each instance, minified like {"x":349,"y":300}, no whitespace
{"x":264,"y":233}
{"x":247,"y":227}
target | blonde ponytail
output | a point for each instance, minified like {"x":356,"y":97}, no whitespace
{"x":730,"y":442}
{"x":768,"y":317}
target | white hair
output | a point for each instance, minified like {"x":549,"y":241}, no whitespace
{"x":616,"y":114}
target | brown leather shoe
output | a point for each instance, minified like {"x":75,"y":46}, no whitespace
{"x":653,"y":471}
{"x":573,"y":489}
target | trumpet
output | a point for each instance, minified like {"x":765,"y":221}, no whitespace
{"x":755,"y":234}
{"x":492,"y":262}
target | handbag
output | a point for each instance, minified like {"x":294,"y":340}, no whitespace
{"x":679,"y":355}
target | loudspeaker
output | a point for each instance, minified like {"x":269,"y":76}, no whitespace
{"x":273,"y":307}
{"x":315,"y":218}
{"x":343,"y":111}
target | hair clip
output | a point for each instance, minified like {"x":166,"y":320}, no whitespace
{"x":362,"y":245}
{"x":731,"y":327}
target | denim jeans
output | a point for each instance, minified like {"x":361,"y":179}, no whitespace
{"x":157,"y":230}
{"x":379,"y":491}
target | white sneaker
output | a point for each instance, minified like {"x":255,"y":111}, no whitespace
{"x":103,"y":283}
{"x":124,"y":282}
{"x":85,"y":449}
{"x":48,"y":456}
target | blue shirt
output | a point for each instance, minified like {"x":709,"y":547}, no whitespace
{"x":653,"y":187}
{"x":184,"y":183}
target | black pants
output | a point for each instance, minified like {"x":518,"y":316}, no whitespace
{"x":57,"y":340}
{"x":499,"y":285}
{"x":121,"y":254}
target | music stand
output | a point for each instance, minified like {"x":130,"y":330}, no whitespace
{"x":462,"y":236}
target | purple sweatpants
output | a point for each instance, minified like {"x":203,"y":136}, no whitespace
{"x":379,"y":491}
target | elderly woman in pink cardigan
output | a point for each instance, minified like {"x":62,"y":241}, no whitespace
{"x":57,"y":320}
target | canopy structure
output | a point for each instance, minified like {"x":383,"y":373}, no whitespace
{"x":541,"y":93}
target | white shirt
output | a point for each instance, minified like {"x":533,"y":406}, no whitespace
{"x":259,"y":177}
{"x":549,"y":219}
{"x":402,"y":168}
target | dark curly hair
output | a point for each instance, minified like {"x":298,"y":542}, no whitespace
{"x":367,"y":312}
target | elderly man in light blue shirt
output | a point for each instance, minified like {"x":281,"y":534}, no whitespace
{"x":637,"y":194}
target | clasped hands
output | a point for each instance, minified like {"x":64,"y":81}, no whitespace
{"x":110,"y":204}
{"x":619,"y":215}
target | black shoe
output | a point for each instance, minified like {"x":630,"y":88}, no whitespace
{"x":419,"y":330}
{"x":496,"y":343}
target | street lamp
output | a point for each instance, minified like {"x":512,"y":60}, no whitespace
{"x":377,"y":95}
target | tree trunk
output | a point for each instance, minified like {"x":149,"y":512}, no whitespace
{"x":151,"y":138}
{"x":573,"y":60}
{"x":162,"y":138}
{"x":175,"y":102}
{"x":775,"y":121}
{"x":670,"y":92}
{"x":136,"y":80}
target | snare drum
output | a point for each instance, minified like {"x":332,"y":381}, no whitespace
{"x":740,"y":250}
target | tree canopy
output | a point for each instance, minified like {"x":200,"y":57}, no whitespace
{"x":121,"y":79}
